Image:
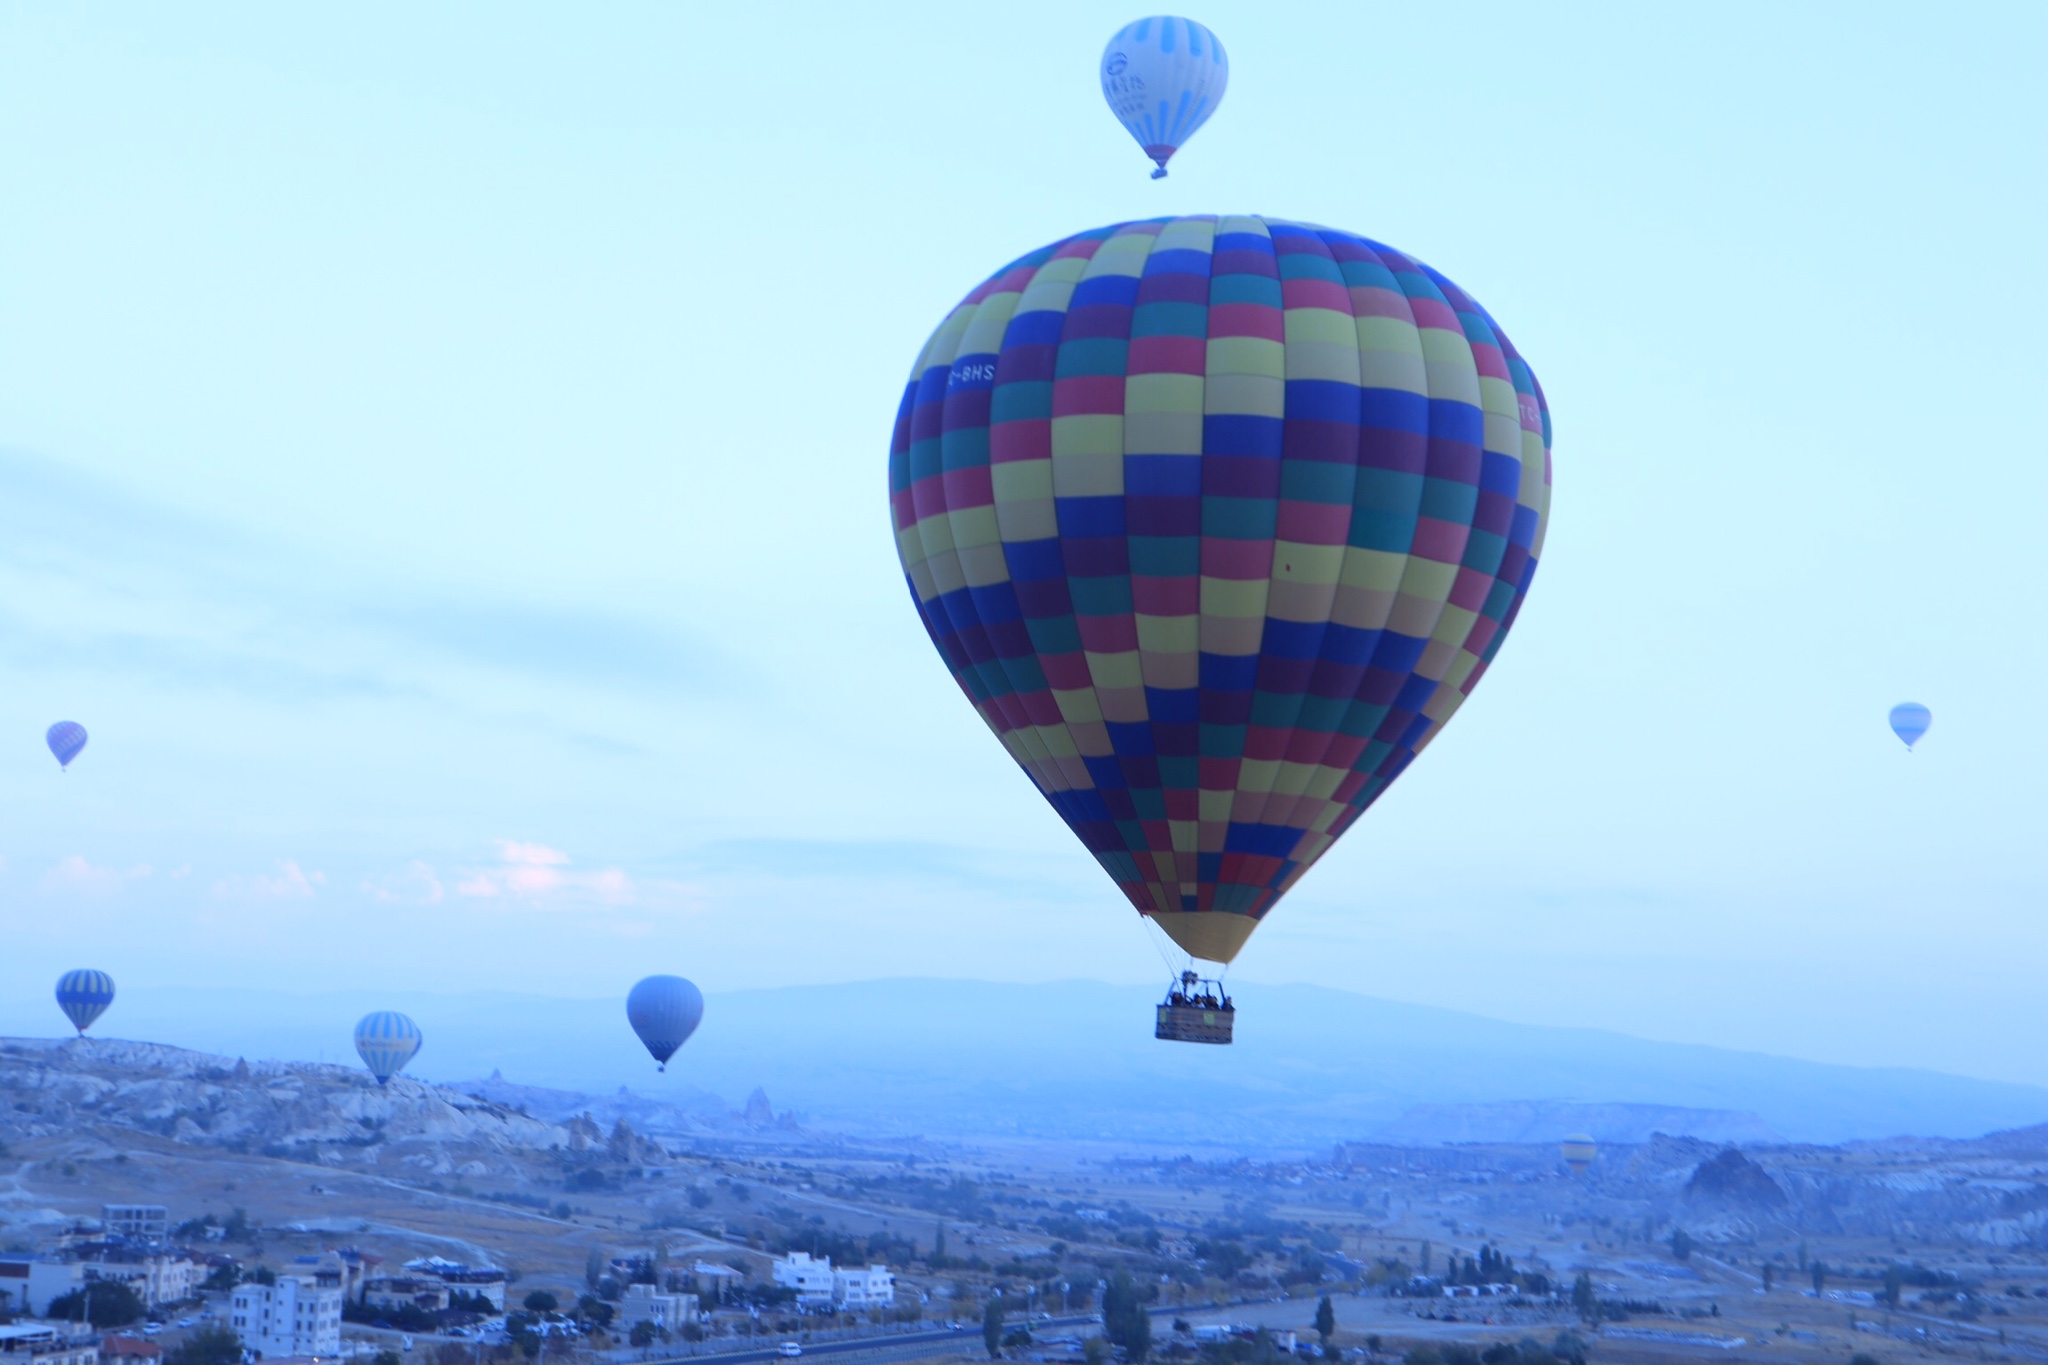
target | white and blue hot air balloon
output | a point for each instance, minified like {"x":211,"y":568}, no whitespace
{"x":1163,"y":77}
{"x":66,"y":740}
{"x":386,"y":1041}
{"x":84,"y":995}
{"x":664,"y":1011}
{"x":1910,"y":721}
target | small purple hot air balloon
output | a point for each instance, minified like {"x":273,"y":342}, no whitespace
{"x":66,"y":740}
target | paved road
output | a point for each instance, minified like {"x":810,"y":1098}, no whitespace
{"x":902,"y":1346}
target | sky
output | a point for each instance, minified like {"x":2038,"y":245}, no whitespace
{"x":442,"y":461}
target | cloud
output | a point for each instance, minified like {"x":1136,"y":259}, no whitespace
{"x":76,"y":875}
{"x":539,"y":875}
{"x":290,"y":883}
{"x":418,"y":886}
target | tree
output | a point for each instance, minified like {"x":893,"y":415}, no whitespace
{"x":1820,"y":1278}
{"x":540,"y":1301}
{"x":1681,"y":1244}
{"x":210,"y":1345}
{"x":1769,"y":1270}
{"x":1124,"y":1319}
{"x":103,"y":1303}
{"x":642,"y":1333}
{"x":387,"y":1358}
{"x":1424,"y":1258}
{"x":1095,"y":1351}
{"x":593,"y":1269}
{"x":1894,"y":1281}
{"x":1584,"y":1301}
{"x":1326,"y":1321}
{"x":992,"y":1328}
{"x":237,"y":1228}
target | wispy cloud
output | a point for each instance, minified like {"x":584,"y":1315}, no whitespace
{"x":417,"y":885}
{"x":538,"y":874}
{"x":289,"y":883}
{"x":80,"y":877}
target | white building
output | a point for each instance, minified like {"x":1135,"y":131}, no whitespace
{"x":867,"y":1287}
{"x":42,"y":1344}
{"x":297,"y":1316}
{"x":645,"y":1303}
{"x":811,"y":1279}
{"x":156,"y":1280}
{"x":27,"y":1284}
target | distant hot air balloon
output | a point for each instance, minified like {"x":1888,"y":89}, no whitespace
{"x":66,"y":740}
{"x":1910,"y":721}
{"x":1163,"y":77}
{"x":1579,"y":1151}
{"x":664,"y":1011}
{"x":84,"y":995}
{"x":1217,"y":521}
{"x":386,"y":1041}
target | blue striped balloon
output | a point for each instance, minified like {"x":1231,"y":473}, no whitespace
{"x":84,"y":995}
{"x":664,"y":1011}
{"x":1163,"y":77}
{"x":386,"y":1041}
{"x":66,"y":740}
{"x":1910,"y":721}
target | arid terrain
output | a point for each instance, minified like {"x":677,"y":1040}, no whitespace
{"x":1674,"y":1237}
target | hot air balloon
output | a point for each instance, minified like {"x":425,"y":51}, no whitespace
{"x":1910,"y":721}
{"x":1217,"y":521}
{"x":66,"y":740}
{"x":664,"y":1011}
{"x":386,"y":1041}
{"x":1579,"y":1152}
{"x":84,"y":995}
{"x":1163,"y":77}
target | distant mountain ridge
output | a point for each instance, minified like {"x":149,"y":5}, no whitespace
{"x":1075,"y":1061}
{"x":1545,"y":1121}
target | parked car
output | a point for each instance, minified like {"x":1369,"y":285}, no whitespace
{"x":792,"y":1349}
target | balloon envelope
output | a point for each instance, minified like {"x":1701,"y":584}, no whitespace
{"x":1910,"y":721}
{"x":84,"y":995}
{"x":1162,"y":78}
{"x":1216,"y":521}
{"x":386,"y":1041}
{"x":66,"y":740}
{"x":1579,"y":1152}
{"x":664,"y":1011}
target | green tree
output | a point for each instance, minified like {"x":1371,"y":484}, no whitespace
{"x":540,"y":1301}
{"x":1095,"y":1351}
{"x":593,"y":1269}
{"x":1820,"y":1277}
{"x":1124,"y":1319}
{"x":1894,"y":1281}
{"x":1424,"y":1259}
{"x":642,"y":1333}
{"x":1769,"y":1270}
{"x":103,"y":1303}
{"x":1681,"y":1244}
{"x":387,"y":1358}
{"x":1585,"y":1302}
{"x":992,"y":1327}
{"x":1326,"y":1321}
{"x":212,"y":1344}
{"x":237,"y":1228}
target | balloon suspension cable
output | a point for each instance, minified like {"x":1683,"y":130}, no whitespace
{"x":1159,"y":941}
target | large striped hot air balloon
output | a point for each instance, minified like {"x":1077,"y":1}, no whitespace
{"x":1162,"y":77}
{"x":386,"y":1041}
{"x":84,"y":995}
{"x":66,"y":740}
{"x":1217,"y":521}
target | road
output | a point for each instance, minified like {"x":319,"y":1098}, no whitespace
{"x":902,"y":1346}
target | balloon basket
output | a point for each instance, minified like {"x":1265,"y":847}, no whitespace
{"x":1195,"y":1011}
